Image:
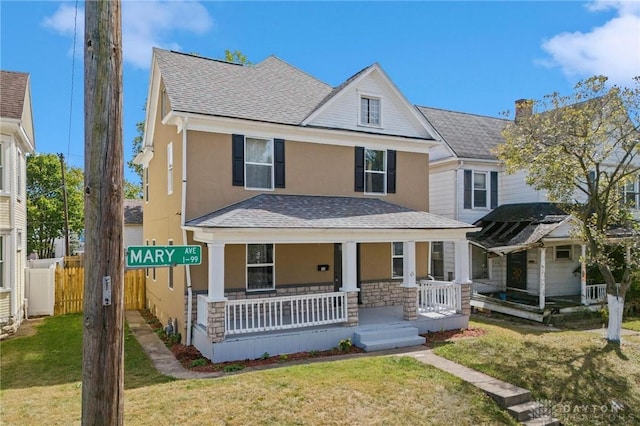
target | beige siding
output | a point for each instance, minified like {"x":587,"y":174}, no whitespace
{"x":442,"y":193}
{"x":5,"y":212}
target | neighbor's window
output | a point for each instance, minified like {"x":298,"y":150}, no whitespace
{"x":632,"y":193}
{"x":170,"y":168}
{"x":375,"y":173}
{"x":397,"y":260}
{"x":564,"y":252}
{"x":19,"y":174}
{"x":260,"y":267}
{"x":258,"y":163}
{"x":369,"y":111}
{"x":479,"y":189}
{"x":1,"y":167}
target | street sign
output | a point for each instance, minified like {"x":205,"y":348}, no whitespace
{"x":152,"y":256}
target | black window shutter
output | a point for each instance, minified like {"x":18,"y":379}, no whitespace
{"x":237,"y":160}
{"x":494,"y":190}
{"x":391,"y":171}
{"x":467,"y":189}
{"x":279,"y":163}
{"x":359,"y":166}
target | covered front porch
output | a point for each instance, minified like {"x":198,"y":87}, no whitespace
{"x":375,"y":253}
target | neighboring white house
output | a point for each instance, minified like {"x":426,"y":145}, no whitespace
{"x":133,"y":223}
{"x":524,"y":253}
{"x":17,"y":140}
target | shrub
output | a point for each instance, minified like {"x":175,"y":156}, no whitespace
{"x":344,"y":345}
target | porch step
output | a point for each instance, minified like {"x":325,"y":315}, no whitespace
{"x":387,"y":338}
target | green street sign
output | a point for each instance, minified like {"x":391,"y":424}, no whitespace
{"x":151,"y":256}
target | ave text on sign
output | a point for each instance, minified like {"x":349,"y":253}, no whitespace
{"x":151,"y":256}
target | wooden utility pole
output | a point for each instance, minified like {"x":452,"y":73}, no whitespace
{"x":103,"y":337}
{"x":66,"y":207}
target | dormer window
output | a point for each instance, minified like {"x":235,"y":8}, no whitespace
{"x":370,"y":111}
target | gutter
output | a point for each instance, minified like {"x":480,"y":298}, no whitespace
{"x":184,"y":231}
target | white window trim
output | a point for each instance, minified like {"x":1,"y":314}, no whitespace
{"x":257,"y":265}
{"x":487,"y":176}
{"x":19,"y":178}
{"x":272,"y":164}
{"x":362,"y":95}
{"x":146,"y":185}
{"x":170,"y":168}
{"x":635,"y":190}
{"x":384,"y":173}
{"x":395,"y":256}
{"x":562,"y":259}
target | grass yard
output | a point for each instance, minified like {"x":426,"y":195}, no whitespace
{"x":632,"y":324}
{"x":575,"y":372}
{"x":41,"y":384}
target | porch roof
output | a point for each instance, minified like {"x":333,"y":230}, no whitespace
{"x":275,"y":211}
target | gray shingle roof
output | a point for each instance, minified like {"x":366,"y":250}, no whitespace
{"x":304,"y":211}
{"x":13,"y":88}
{"x":271,"y":91}
{"x":133,"y":212}
{"x":468,"y":135}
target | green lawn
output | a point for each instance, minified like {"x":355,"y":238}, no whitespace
{"x":41,"y":384}
{"x":577,"y":372}
{"x":632,"y":324}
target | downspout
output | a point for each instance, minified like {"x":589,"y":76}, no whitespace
{"x":184,"y":232}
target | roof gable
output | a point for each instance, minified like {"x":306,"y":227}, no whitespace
{"x":340,"y":109}
{"x":15,"y":104}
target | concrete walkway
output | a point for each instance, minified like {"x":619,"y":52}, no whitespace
{"x":506,"y":395}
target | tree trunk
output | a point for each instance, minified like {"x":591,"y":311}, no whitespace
{"x":103,"y":337}
{"x":614,"y":328}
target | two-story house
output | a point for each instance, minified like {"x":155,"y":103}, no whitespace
{"x":310,"y":202}
{"x":17,"y":140}
{"x":525,"y":261}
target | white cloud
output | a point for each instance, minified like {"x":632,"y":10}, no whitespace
{"x":145,"y":24}
{"x":612,"y":49}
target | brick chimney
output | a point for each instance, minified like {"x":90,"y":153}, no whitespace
{"x":524,"y":108}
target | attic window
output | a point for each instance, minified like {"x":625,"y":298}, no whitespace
{"x":370,"y":111}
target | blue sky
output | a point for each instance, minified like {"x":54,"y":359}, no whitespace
{"x":476,"y":57}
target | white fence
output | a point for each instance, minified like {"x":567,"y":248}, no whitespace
{"x":438,"y":296}
{"x":279,"y":313}
{"x":596,"y":293}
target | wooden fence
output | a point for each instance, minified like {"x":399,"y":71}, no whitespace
{"x":70,"y":290}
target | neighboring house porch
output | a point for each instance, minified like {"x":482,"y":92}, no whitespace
{"x":289,"y":273}
{"x":533,"y":264}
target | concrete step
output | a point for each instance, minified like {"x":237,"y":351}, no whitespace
{"x":382,"y":338}
{"x":380,"y":333}
{"x":543,"y":421}
{"x":391,"y":343}
{"x":505,"y":394}
{"x":526,"y":410}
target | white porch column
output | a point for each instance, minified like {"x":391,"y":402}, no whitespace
{"x":543,"y":283}
{"x":462,"y":262}
{"x":349,"y":266}
{"x":409,"y":263}
{"x":216,"y":272}
{"x":583,"y":275}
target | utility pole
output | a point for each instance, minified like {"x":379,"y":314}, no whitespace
{"x":103,"y":337}
{"x":66,"y":207}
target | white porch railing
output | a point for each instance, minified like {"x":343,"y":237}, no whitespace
{"x":203,"y":310}
{"x":438,"y":296}
{"x":596,"y":293}
{"x":280,"y":313}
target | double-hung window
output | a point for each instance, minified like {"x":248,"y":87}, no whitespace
{"x":375,"y":171}
{"x":260,"y":267}
{"x":479,"y":190}
{"x":370,"y":111}
{"x":397,"y":260}
{"x":258,"y":163}
{"x":632,"y":193}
